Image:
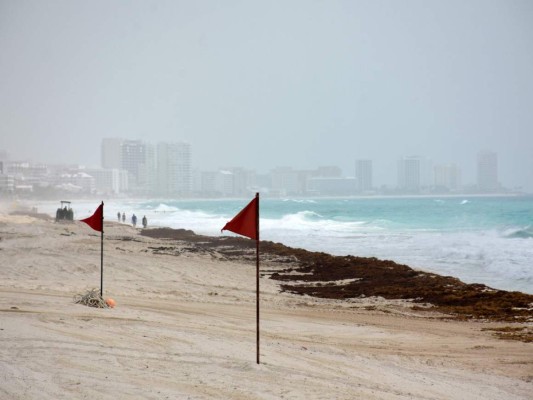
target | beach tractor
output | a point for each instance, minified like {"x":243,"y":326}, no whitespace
{"x":65,"y":212}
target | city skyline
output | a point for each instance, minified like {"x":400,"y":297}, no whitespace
{"x":469,"y":173}
{"x":334,"y":82}
{"x":138,"y":167}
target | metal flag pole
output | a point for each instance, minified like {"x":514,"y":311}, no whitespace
{"x":257,"y":272}
{"x":102,"y":255}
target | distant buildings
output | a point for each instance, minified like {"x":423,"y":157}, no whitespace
{"x":332,"y":186}
{"x":447,"y":178}
{"x":164,"y":171}
{"x":7,"y":183}
{"x":487,"y":172}
{"x":138,"y":168}
{"x":109,"y":180}
{"x":324,"y":181}
{"x":415,"y":175}
{"x":284,"y":181}
{"x":363,"y":176}
{"x":205,"y":182}
{"x":409,"y":174}
{"x":243,"y":181}
{"x":174,"y":172}
{"x":138,"y":158}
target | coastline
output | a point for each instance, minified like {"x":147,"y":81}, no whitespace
{"x":323,"y":275}
{"x":484,"y":245}
{"x":184,"y":325}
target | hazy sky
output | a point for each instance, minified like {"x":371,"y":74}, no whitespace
{"x":266,"y":83}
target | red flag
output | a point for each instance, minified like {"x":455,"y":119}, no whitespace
{"x":246,"y":223}
{"x":96,"y":221}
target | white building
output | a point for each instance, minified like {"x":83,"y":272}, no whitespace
{"x":204,"y":183}
{"x":80,"y":181}
{"x":285,"y":181}
{"x":414,"y":174}
{"x":487,"y":172}
{"x":363,"y":175}
{"x":224,"y":183}
{"x":447,"y":177}
{"x":7,"y":183}
{"x":409,"y":174}
{"x":138,"y":158}
{"x":174,"y":169}
{"x":243,"y":181}
{"x":109,"y":180}
{"x":332,"y":186}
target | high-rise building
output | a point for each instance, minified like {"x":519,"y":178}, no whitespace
{"x":363,"y":175}
{"x":243,"y":180}
{"x":285,"y":181}
{"x":447,"y":177}
{"x":409,"y":174}
{"x":138,"y":158}
{"x":174,"y":170}
{"x":487,"y":172}
{"x":415,"y":174}
{"x":206,"y":183}
{"x":224,"y":182}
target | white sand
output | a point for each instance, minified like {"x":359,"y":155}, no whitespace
{"x":184,"y":328}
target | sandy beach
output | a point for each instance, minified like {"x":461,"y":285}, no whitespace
{"x":184,"y":328}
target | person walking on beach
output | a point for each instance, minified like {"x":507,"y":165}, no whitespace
{"x":145,"y":222}
{"x":134,"y":220}
{"x":118,"y":216}
{"x":123,"y":217}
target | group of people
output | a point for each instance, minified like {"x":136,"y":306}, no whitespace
{"x":64,"y":214}
{"x":133,"y":219}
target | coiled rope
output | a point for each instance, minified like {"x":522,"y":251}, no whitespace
{"x":91,"y":299}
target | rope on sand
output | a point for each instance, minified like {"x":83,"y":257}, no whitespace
{"x":91,"y":299}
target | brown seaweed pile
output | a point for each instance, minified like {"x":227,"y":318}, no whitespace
{"x":343,"y":277}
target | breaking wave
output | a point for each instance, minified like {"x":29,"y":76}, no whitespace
{"x":521,"y":233}
{"x":165,"y":208}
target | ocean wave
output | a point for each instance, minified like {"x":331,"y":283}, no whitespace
{"x":165,"y":208}
{"x":301,"y":201}
{"x":519,"y":233}
{"x":381,"y":223}
{"x":310,"y":221}
{"x":311,"y":215}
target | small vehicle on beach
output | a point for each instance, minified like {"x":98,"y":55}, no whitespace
{"x":65,"y":212}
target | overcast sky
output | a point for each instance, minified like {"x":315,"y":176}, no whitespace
{"x":260,"y":84}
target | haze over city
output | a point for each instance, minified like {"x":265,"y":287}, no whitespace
{"x":264,"y":84}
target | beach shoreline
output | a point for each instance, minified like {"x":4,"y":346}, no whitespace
{"x":184,"y":327}
{"x":478,"y":241}
{"x":323,"y":275}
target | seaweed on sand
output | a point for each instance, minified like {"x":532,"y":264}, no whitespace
{"x":341,"y":277}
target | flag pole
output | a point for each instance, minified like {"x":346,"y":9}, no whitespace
{"x":257,"y":273}
{"x":246,"y":223}
{"x":102,"y":255}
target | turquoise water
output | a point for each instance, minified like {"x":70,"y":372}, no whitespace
{"x":477,"y":239}
{"x":437,"y":214}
